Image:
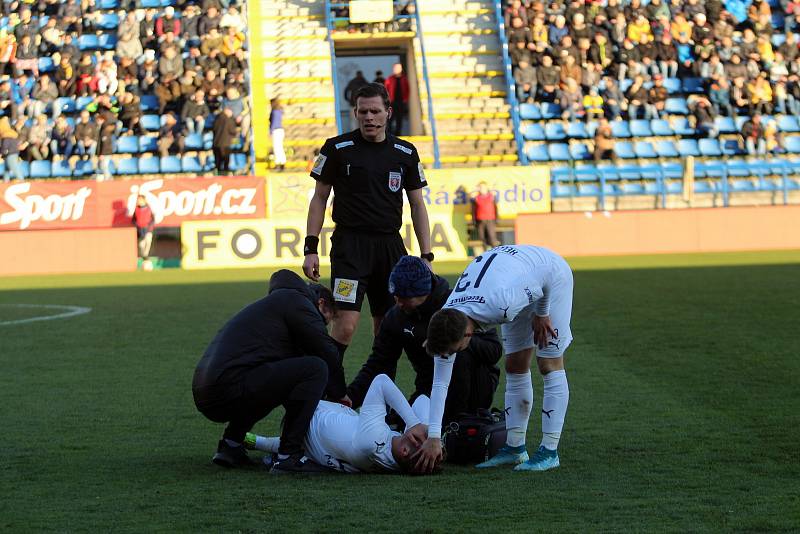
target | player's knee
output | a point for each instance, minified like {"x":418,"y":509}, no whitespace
{"x":344,"y":328}
{"x":548,"y":365}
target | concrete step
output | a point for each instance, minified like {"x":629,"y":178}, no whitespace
{"x":440,"y":43}
{"x":473,"y":126}
{"x":296,"y":69}
{"x":307,"y":110}
{"x":451,"y":85}
{"x":453,"y":5}
{"x":294,"y":48}
{"x":454,"y":21}
{"x":469,"y":105}
{"x":280,"y":28}
{"x":464,"y":63}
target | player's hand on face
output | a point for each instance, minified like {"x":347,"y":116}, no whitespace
{"x":542,"y":328}
{"x":428,"y":456}
{"x":417,"y":433}
{"x":346,"y":401}
{"x":311,"y":267}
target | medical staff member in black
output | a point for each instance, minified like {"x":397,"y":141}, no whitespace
{"x":276,"y":351}
{"x":367,"y":170}
{"x":418,"y":294}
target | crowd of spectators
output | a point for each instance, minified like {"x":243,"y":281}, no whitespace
{"x":610,"y":60}
{"x":75,"y":75}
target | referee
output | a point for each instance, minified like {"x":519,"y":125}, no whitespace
{"x":367,"y":169}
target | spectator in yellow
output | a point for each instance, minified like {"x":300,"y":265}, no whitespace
{"x":764,"y":48}
{"x":232,"y":41}
{"x":681,"y":27}
{"x":760,"y":95}
{"x":593,"y":104}
{"x":539,"y":30}
{"x":640,"y":27}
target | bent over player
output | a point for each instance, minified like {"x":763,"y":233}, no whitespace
{"x":527,"y":290}
{"x":346,"y":441}
{"x":367,"y":170}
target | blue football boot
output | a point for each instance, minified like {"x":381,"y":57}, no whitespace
{"x":543,"y":459}
{"x":506,"y":456}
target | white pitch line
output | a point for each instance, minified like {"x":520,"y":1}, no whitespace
{"x":70,"y":311}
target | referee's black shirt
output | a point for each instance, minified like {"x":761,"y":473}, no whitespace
{"x":368,"y":180}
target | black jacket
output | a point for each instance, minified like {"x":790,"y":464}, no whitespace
{"x":284,"y":324}
{"x":399,"y":332}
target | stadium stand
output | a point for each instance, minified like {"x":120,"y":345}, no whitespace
{"x":126,"y":66}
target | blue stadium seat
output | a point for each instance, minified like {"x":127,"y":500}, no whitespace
{"x":149,"y":165}
{"x":82,"y":102}
{"x":588,"y":190}
{"x":682,"y":127}
{"x":778,"y":39}
{"x":640,"y":128}
{"x":538,"y":153}
{"x":238,"y":162}
{"x":65,"y":104}
{"x":550,"y":110}
{"x":195,"y":141}
{"x":148,"y":103}
{"x":580,"y":151}
{"x":725,"y":125}
{"x":151,"y":123}
{"x":210,"y":164}
{"x":127,"y":144}
{"x":46,"y":64}
{"x":644,"y":149}
{"x":740,"y":122}
{"x":672,"y":170}
{"x":693,"y":85}
{"x":591,"y":128}
{"x":688,"y":147}
{"x":88,"y":41}
{"x":108,"y":41}
{"x":208,"y":139}
{"x":608,"y":172}
{"x":25,"y":168}
{"x":629,"y":172}
{"x":148,"y":144}
{"x":109,"y":4}
{"x":558,"y":152}
{"x":40,"y":169}
{"x":793,"y":144}
{"x":128,"y":166}
{"x":673,"y":85}
{"x":83,"y":168}
{"x":61,"y":169}
{"x":730,"y":147}
{"x":108,"y":21}
{"x":533,"y":132}
{"x":666,"y":149}
{"x":742,"y":185}
{"x":191,"y":164}
{"x":585,"y":173}
{"x":577,"y":130}
{"x":620,"y":129}
{"x":625,"y":84}
{"x":529,"y":112}
{"x":561,"y":174}
{"x":563,"y":191}
{"x":554,"y":131}
{"x":171,"y":164}
{"x":624,"y":150}
{"x":710,"y":148}
{"x":676,"y":106}
{"x":631,"y":189}
{"x":788,"y":124}
{"x":740,"y":168}
{"x":661,"y":127}
{"x":710,"y":169}
{"x":148,"y":4}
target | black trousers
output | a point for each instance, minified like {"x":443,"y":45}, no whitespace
{"x":222,"y":158}
{"x":296,"y":383}
{"x":487,"y":232}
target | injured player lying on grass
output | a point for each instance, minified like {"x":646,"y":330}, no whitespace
{"x":343,"y":440}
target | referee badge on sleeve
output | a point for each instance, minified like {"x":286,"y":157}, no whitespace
{"x":345,"y":290}
{"x":395,"y":179}
{"x":319,"y":163}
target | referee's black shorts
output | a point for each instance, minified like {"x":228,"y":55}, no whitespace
{"x":360,"y":265}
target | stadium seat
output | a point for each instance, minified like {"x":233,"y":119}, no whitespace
{"x":742,"y":185}
{"x":608,"y":172}
{"x":88,"y":41}
{"x":674,"y":187}
{"x":40,"y":169}
{"x":127,"y":144}
{"x":108,"y":21}
{"x":533,"y":132}
{"x":631,"y":189}
{"x":195,"y":141}
{"x":82,"y":102}
{"x":65,"y":104}
{"x":208,"y":139}
{"x":148,"y":144}
{"x":788,"y":124}
{"x":682,"y":127}
{"x":725,"y":125}
{"x":693,"y":85}
{"x":563,"y":191}
{"x":620,"y":129}
{"x":778,"y":39}
{"x":171,"y":164}
{"x":730,"y":147}
{"x":629,"y":172}
{"x":554,"y":131}
{"x":550,"y":110}
{"x":128,"y":166}
{"x":673,"y":85}
{"x":666,"y":149}
{"x":793,"y":144}
{"x":624,"y":150}
{"x":580,"y":151}
{"x":710,"y":170}
{"x":561,"y":174}
{"x":676,"y":106}
{"x":577,"y":130}
{"x":625,"y":84}
{"x":688,"y":147}
{"x":672,"y":170}
{"x":109,"y":4}
{"x":588,"y":190}
{"x":108,"y":41}
{"x":151,"y":123}
{"x":661,"y":127}
{"x":83,"y":168}
{"x":149,"y":165}
{"x":61,"y":169}
{"x":640,"y":128}
{"x":191,"y":164}
{"x":538,"y":153}
{"x":148,"y":4}
{"x":644,"y":149}
{"x":148,"y":103}
{"x":558,"y":152}
{"x":46,"y":64}
{"x":740,"y":168}
{"x":585,"y":173}
{"x":740,"y":122}
{"x":710,"y":148}
{"x":530,"y":112}
{"x":238,"y":162}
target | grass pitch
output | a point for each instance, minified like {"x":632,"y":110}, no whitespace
{"x":684,"y":379}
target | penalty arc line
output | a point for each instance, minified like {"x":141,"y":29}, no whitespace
{"x":70,"y":311}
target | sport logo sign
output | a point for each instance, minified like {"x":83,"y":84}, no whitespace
{"x":27,"y":207}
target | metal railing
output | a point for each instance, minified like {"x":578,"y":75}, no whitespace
{"x":511,"y":93}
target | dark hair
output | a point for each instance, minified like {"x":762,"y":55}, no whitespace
{"x":373,"y":89}
{"x":321,"y":292}
{"x":446,"y":328}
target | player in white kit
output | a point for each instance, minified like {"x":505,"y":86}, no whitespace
{"x":527,"y":290}
{"x":351,"y":442}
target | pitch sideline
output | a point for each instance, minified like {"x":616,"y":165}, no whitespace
{"x":70,"y":311}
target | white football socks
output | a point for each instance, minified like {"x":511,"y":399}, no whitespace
{"x":554,"y":407}
{"x":267,"y":444}
{"x":519,"y":400}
